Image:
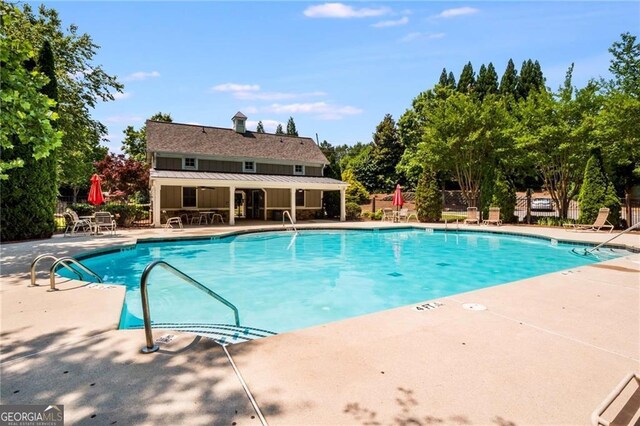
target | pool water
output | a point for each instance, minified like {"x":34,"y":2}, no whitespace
{"x":281,"y":281}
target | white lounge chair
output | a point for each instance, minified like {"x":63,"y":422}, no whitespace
{"x":74,"y":223}
{"x":104,"y":220}
{"x":494,"y":217}
{"x":171,"y":221}
{"x":472,"y":216}
{"x":600,"y":222}
{"x":387,"y":214}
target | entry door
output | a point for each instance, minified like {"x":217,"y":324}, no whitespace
{"x":257,"y":199}
{"x":240,"y":202}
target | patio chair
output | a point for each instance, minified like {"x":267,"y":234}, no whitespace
{"x":600,"y":222}
{"x":410,"y":214}
{"x":494,"y":217}
{"x":387,"y":214}
{"x":104,"y":220}
{"x":171,"y":221}
{"x":73,"y":223}
{"x":472,"y":216}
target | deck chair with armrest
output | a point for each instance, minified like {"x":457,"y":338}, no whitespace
{"x":104,"y":220}
{"x":74,"y":224}
{"x":171,"y":221}
{"x":600,"y":222}
{"x":494,"y":217}
{"x":387,"y":214}
{"x":472,"y":215}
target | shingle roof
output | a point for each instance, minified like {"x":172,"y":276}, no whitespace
{"x":247,"y":177}
{"x":216,"y":141}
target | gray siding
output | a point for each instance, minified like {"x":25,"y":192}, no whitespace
{"x":220,"y":166}
{"x":168,"y":163}
{"x":274,"y":169}
{"x":313,"y":171}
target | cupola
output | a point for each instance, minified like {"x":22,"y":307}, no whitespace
{"x":239,"y":122}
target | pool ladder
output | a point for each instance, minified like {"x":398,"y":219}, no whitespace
{"x":66,"y":262}
{"x":293,"y":225}
{"x":151,"y":346}
{"x":590,"y":251}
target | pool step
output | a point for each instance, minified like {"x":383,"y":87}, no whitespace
{"x":224,"y":334}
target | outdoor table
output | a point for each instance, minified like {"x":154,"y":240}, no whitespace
{"x":92,"y":223}
{"x":213,"y":214}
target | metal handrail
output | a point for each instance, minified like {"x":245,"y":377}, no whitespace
{"x":286,"y":213}
{"x":151,"y":347}
{"x":631,"y":228}
{"x":47,"y":256}
{"x":596,"y":416}
{"x":63,"y":262}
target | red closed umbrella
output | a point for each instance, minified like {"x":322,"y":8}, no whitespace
{"x":397,"y":197}
{"x":95,"y":193}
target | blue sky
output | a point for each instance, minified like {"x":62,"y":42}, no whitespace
{"x":337,"y":68}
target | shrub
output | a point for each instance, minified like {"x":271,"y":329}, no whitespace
{"x":353,"y":211}
{"x":125,"y":214}
{"x":83,"y":209}
{"x":428,"y":197}
{"x":504,"y":196}
{"x":356,"y":192}
{"x":376,"y":215}
{"x":596,"y":193}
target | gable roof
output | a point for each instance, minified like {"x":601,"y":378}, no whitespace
{"x":220,"y":142}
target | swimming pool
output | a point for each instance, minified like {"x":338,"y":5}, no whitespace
{"x":281,"y":281}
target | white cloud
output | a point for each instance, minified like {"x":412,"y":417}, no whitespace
{"x":321,"y":110}
{"x":421,"y":36}
{"x":384,"y":24}
{"x":141,"y":75}
{"x":269,"y":125}
{"x":124,"y":119}
{"x":458,"y":11}
{"x":275,"y":96}
{"x":124,"y":95}
{"x":250,"y":110}
{"x":235,"y":87}
{"x":342,"y":11}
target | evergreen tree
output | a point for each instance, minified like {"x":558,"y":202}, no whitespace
{"x":260,"y":127}
{"x":451,"y":80}
{"x":487,"y":83}
{"x":29,"y":194}
{"x":509,"y":81}
{"x":279,"y":130}
{"x":386,"y":153}
{"x":291,"y":127}
{"x":443,"y":78}
{"x":428,"y":197}
{"x":531,"y":78}
{"x":467,"y":79}
{"x":596,"y":192}
{"x":134,"y":143}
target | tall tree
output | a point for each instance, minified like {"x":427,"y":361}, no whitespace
{"x":451,"y":80}
{"x":385,"y":154}
{"x":27,"y":113}
{"x":554,"y":131}
{"x":291,"y":127}
{"x":443,"y":78}
{"x":509,"y":81}
{"x":625,"y":65}
{"x":487,"y":83}
{"x":279,"y":130}
{"x":531,"y":78}
{"x":260,"y":127}
{"x":134,"y":143}
{"x":467,"y":79}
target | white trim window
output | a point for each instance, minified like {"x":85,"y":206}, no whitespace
{"x":189,"y":163}
{"x":189,"y":196}
{"x":248,"y":166}
{"x":298,"y":169}
{"x":301,"y":199}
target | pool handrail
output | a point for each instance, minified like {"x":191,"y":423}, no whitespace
{"x":151,"y":347}
{"x":286,"y":213}
{"x":47,"y":256}
{"x":631,"y":228}
{"x":64,"y":261}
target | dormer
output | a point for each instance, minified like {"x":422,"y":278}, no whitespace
{"x":239,"y":122}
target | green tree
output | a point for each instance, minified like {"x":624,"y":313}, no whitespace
{"x":531,"y":78}
{"x":356,"y":192}
{"x":428,"y":197}
{"x":503,"y":196}
{"x":593,"y":191}
{"x":554,"y":132}
{"x":385,"y":154}
{"x":451,"y":80}
{"x":443,"y":78}
{"x":467,"y":79}
{"x":134,"y":143}
{"x":487,"y":83}
{"x":27,"y":113}
{"x":291,"y":127}
{"x":279,"y":130}
{"x":260,"y":127}
{"x":509,"y":81}
{"x":625,"y":65}
{"x":331,"y":199}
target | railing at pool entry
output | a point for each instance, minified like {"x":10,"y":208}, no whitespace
{"x":151,"y":346}
{"x":591,"y":250}
{"x":285,"y":214}
{"x":65,"y":262}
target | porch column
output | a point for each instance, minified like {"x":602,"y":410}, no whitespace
{"x":232,"y":205}
{"x":155,"y":202}
{"x":293,"y":205}
{"x":343,"y":209}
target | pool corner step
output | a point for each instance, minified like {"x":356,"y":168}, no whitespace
{"x":224,"y":334}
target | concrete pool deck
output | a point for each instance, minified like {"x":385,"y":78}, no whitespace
{"x":547,"y":350}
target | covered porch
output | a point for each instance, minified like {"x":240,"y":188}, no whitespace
{"x":240,"y":196}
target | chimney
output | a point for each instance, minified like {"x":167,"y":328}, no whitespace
{"x":239,"y":122}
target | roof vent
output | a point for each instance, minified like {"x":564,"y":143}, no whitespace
{"x":239,"y":122}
